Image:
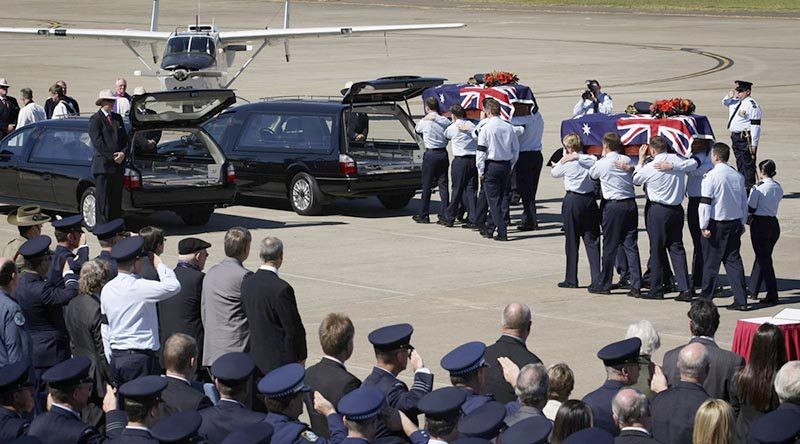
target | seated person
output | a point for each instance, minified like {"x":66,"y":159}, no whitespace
{"x":357,"y":127}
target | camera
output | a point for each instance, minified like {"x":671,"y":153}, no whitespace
{"x":587,"y":95}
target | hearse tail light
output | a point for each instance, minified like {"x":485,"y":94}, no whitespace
{"x":132,"y":181}
{"x":347,"y":165}
{"x":230,"y":174}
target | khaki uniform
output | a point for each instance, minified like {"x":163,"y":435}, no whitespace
{"x":10,"y":251}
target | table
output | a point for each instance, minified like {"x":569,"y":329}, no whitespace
{"x":746,"y":328}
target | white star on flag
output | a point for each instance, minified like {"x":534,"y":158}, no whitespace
{"x":586,"y":129}
{"x":441,"y":98}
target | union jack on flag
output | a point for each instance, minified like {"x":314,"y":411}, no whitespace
{"x":506,"y":95}
{"x":678,"y":130}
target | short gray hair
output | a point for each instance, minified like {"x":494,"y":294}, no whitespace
{"x":693,"y":361}
{"x":532,"y":384}
{"x":787,"y":382}
{"x":516,"y":316}
{"x":629,"y":406}
{"x":645,"y":331}
{"x":271,"y":249}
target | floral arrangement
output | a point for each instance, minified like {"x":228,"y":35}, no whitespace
{"x":496,"y":78}
{"x":672,"y":107}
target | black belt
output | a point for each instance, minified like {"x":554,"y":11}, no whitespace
{"x":466,"y":156}
{"x":444,"y":148}
{"x":727,"y":221}
{"x":579,"y":194}
{"x":764,"y":217}
{"x":133,"y":351}
{"x":665,"y":205}
{"x":619,"y":200}
{"x":497,"y":161}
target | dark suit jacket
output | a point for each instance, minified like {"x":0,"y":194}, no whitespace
{"x":107,"y":140}
{"x":59,"y":426}
{"x":634,"y":437}
{"x":600,"y":402}
{"x":276,"y":330}
{"x":227,"y":416}
{"x":181,"y":313}
{"x":510,"y":348}
{"x":180,"y":396}
{"x":673,"y":412}
{"x":8,"y":115}
{"x":82,"y":317}
{"x":723,"y":364}
{"x":333,"y":381}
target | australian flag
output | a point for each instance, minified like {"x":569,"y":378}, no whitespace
{"x":471,"y":97}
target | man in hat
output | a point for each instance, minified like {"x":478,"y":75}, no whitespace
{"x":486,"y":421}
{"x":621,"y":360}
{"x":141,"y":398}
{"x":29,"y":220}
{"x":231,"y":372}
{"x":15,"y":342}
{"x":70,"y":388}
{"x":781,"y":425}
{"x":179,"y":428}
{"x":108,"y":234}
{"x":128,"y":303}
{"x":49,"y":105}
{"x":69,"y":236}
{"x":181,"y":313}
{"x":467,"y":372}
{"x":9,"y":110}
{"x":284,"y":391}
{"x":360,"y":409}
{"x":16,"y":399}
{"x":31,"y":112}
{"x":744,"y":122}
{"x":110,"y":141}
{"x":442,"y":409}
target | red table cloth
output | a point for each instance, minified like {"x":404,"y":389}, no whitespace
{"x":746,"y":328}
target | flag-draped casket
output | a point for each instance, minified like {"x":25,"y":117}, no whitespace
{"x":470,"y":97}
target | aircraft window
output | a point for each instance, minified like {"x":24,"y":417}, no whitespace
{"x":269,"y":132}
{"x":178,"y":45}
{"x":202,"y":44}
{"x":13,"y":146}
{"x":62,"y":145}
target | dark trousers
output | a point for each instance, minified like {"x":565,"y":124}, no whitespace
{"x":527,"y":169}
{"x":666,"y":276}
{"x":127,"y":365}
{"x":465,"y":187}
{"x":435,"y":166}
{"x":495,"y":182}
{"x":620,"y":229}
{"x":764,"y":234}
{"x":693,"y":220}
{"x":723,"y":248}
{"x":745,"y":162}
{"x":665,"y":230}
{"x":581,"y":222}
{"x":108,"y":195}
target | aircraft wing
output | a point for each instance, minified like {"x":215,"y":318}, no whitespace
{"x":131,"y":35}
{"x":230,"y":37}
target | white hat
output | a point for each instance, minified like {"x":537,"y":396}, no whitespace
{"x":105,"y":94}
{"x":346,"y":87}
{"x":4,"y":82}
{"x":139,"y":90}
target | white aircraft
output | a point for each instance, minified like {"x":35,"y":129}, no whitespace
{"x":200,"y":56}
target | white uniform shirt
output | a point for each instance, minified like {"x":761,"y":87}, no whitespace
{"x":765,"y":198}
{"x":496,"y":141}
{"x":30,"y":113}
{"x":583,"y":107}
{"x":531,"y":130}
{"x":61,"y":111}
{"x":576,"y":174}
{"x":665,"y":187}
{"x":744,"y":115}
{"x":129,"y":303}
{"x":695,"y":177}
{"x":463,"y":143}
{"x":433,"y":131}
{"x":122,"y":106}
{"x":723,"y":196}
{"x":616,"y":184}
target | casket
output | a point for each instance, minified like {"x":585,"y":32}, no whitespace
{"x":513,"y":98}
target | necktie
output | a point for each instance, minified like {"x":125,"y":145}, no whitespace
{"x":110,"y":120}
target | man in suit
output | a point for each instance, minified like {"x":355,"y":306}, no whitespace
{"x":110,"y":141}
{"x":515,"y":331}
{"x":674,"y":408}
{"x":181,"y":313}
{"x":224,"y":321}
{"x":329,"y":376}
{"x":9,"y":110}
{"x":621,"y":360}
{"x":703,"y":323}
{"x":271,"y":309}
{"x":531,"y":387}
{"x":16,"y":399}
{"x":631,"y":412}
{"x":182,"y":393}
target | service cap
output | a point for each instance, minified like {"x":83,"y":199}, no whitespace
{"x":177,"y":427}
{"x":620,"y":352}
{"x":392,"y":337}
{"x":68,"y":224}
{"x":465,"y":359}
{"x":442,"y":403}
{"x":35,"y":247}
{"x":533,"y":430}
{"x":284,"y":381}
{"x":484,"y":422}
{"x":109,"y":229}
{"x":361,"y":404}
{"x":233,"y":366}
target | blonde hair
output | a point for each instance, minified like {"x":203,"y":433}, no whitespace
{"x":94,"y":275}
{"x":572,"y":142}
{"x":713,"y":423}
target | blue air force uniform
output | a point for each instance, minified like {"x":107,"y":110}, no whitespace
{"x":435,"y":163}
{"x":440,"y":405}
{"x":498,"y":151}
{"x":464,"y":361}
{"x":617,"y":354}
{"x":15,"y":341}
{"x":13,"y":377}
{"x":146,"y":391}
{"x":484,"y":422}
{"x":744,"y":122}
{"x":258,"y":433}
{"x":529,"y":128}
{"x":106,"y":232}
{"x":464,"y":171}
{"x":765,"y":230}
{"x":179,"y":427}
{"x":61,"y":254}
{"x":533,"y":430}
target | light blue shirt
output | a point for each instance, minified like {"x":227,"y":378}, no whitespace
{"x":695,"y":177}
{"x":576,"y":174}
{"x":433,"y":131}
{"x":129,"y":303}
{"x":723,"y":196}
{"x":615,"y":184}
{"x":765,"y":198}
{"x":462,"y":142}
{"x":531,"y":129}
{"x":496,"y":141}
{"x":665,"y":187}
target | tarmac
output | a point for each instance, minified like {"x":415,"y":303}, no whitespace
{"x":377,"y":265}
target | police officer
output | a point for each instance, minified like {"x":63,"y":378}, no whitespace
{"x":723,"y":215}
{"x":765,"y":230}
{"x":442,"y":409}
{"x":70,"y":388}
{"x":231,"y":373}
{"x":69,"y":236}
{"x":529,"y":126}
{"x":29,"y":220}
{"x":464,"y":172}
{"x":579,"y":210}
{"x":284,"y":389}
{"x":140,"y":399}
{"x":360,"y":409}
{"x":178,"y":428}
{"x":701,"y":149}
{"x":533,"y":430}
{"x":744,"y":122}
{"x":498,"y":150}
{"x":108,"y":234}
{"x":258,"y":433}
{"x":467,"y":372}
{"x":16,"y":398}
{"x":621,"y":360}
{"x":15,"y":341}
{"x":620,"y":220}
{"x":435,"y":163}
{"x":484,"y":422}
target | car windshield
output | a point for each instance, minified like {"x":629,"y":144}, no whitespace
{"x":189,"y":52}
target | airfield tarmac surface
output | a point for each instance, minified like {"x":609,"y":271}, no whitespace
{"x":377,"y":265}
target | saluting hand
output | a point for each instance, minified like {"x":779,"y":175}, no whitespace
{"x":156,"y":260}
{"x":322,"y":405}
{"x":659,"y":382}
{"x":415,"y":360}
{"x":510,"y":370}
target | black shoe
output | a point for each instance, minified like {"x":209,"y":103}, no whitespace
{"x":634,"y":293}
{"x":738,"y":307}
{"x":421,"y":219}
{"x":486,"y":234}
{"x":769,"y":302}
{"x":462,"y":218}
{"x":623,"y":284}
{"x":565,"y":284}
{"x":685,"y":296}
{"x":526,"y":227}
{"x":593,"y":290}
{"x":501,"y":238}
{"x":656,"y":295}
{"x":718,"y":291}
{"x":469,"y":226}
{"x":751,"y":295}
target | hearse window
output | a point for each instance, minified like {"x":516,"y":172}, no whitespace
{"x":216,"y":128}
{"x":286,"y":132}
{"x":58,"y":145}
{"x":13,"y":145}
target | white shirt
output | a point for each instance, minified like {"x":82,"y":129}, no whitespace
{"x":61,"y":111}
{"x":462,"y":142}
{"x":532,"y":128}
{"x":765,"y":198}
{"x":122,"y":106}
{"x":616,"y":184}
{"x":665,"y":187}
{"x":551,"y":409}
{"x":723,"y":196}
{"x":744,"y":115}
{"x":576,"y":174}
{"x":129,"y":303}
{"x":30,"y":113}
{"x":695,"y":177}
{"x":269,"y":268}
{"x":496,"y":141}
{"x":433,"y":131}
{"x":583,"y":107}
